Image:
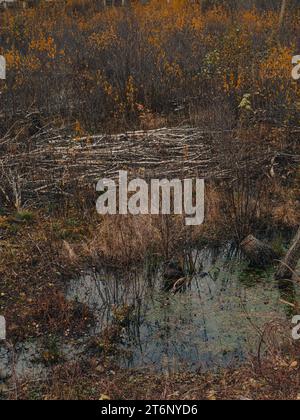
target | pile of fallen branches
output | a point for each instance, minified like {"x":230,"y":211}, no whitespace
{"x":51,"y":161}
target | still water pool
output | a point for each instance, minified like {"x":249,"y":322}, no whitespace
{"x":214,"y":323}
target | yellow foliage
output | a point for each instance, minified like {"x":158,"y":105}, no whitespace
{"x":277,"y":65}
{"x":44,"y":45}
{"x":131,"y":55}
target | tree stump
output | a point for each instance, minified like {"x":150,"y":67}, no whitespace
{"x":259,"y":253}
{"x":288,"y":266}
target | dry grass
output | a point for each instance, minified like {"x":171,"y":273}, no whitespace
{"x":125,"y":239}
{"x":272,"y":374}
{"x":94,"y":381}
{"x":286,"y":209}
{"x":33,"y":267}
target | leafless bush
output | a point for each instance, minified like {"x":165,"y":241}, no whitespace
{"x":278,"y":357}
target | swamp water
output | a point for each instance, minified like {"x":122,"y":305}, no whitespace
{"x":214,"y":323}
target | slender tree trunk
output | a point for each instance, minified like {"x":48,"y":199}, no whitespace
{"x":289,"y":264}
{"x":282,"y":12}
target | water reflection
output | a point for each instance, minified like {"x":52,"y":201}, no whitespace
{"x":206,"y":327}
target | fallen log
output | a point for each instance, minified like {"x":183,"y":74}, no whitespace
{"x":259,"y":253}
{"x":287,"y":268}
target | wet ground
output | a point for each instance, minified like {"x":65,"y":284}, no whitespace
{"x":213,"y":323}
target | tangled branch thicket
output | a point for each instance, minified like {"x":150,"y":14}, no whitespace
{"x":54,"y":162}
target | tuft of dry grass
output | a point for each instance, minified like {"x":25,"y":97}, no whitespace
{"x":125,"y":240}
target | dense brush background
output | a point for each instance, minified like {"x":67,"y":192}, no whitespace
{"x":147,"y":64}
